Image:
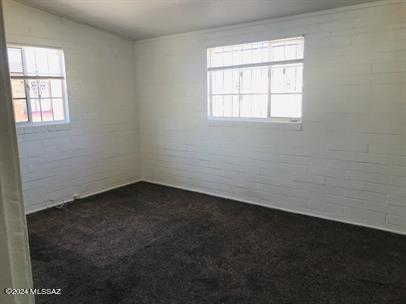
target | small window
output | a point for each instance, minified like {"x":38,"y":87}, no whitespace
{"x":261,"y":80}
{"x":38,"y":84}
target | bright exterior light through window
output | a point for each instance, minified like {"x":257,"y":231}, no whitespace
{"x":38,"y":84}
{"x":259,"y":80}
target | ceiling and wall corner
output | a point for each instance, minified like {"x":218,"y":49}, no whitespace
{"x":143,"y":19}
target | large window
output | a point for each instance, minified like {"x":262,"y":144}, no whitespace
{"x":38,"y":84}
{"x":261,"y":80}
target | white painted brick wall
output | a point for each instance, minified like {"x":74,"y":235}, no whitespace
{"x":98,"y":149}
{"x":347,"y":163}
{"x":349,"y":160}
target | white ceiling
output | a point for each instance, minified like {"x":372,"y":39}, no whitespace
{"x":140,"y":19}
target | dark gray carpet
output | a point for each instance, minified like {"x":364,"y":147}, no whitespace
{"x":147,"y":243}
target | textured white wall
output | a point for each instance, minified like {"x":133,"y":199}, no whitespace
{"x":98,"y":149}
{"x":347,"y":163}
{"x":349,"y":160}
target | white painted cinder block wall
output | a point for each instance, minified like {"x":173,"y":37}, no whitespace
{"x":98,"y":149}
{"x":348,"y":162}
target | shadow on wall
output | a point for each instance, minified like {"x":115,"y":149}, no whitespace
{"x":14,"y":254}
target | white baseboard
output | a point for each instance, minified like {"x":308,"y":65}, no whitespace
{"x":80,"y":196}
{"x":109,"y":189}
{"x":275,"y":207}
{"x":221,"y":196}
{"x":51,"y":205}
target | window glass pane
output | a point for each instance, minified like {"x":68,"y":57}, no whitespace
{"x":56,"y":88}
{"x":225,"y":81}
{"x":58,"y":109}
{"x":215,"y":57}
{"x":228,"y":106}
{"x":245,"y":106}
{"x":43,"y":62}
{"x":259,"y":106}
{"x":217,"y":106}
{"x":43,"y":106}
{"x":238,"y":54}
{"x":54,"y":62}
{"x":246,"y":54}
{"x":15,"y":60}
{"x":254,"y":106}
{"x":46,"y":110}
{"x":246,"y":81}
{"x":287,"y":49}
{"x":30,"y":64}
{"x":33,"y":88}
{"x":258,"y":52}
{"x":236,"y":105}
{"x":44,"y":88}
{"x":20,"y":110}
{"x":46,"y":105}
{"x":286,"y":105}
{"x":287,"y":78}
{"x":18,"y":88}
{"x":254,"y":80}
{"x":227,"y":58}
{"x":36,"y":110}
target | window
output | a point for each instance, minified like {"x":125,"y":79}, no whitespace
{"x":38,"y":84}
{"x":261,"y":80}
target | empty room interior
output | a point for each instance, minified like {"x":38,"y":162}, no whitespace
{"x":186,"y":151}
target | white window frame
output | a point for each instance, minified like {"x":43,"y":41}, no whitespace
{"x":268,"y":64}
{"x":31,"y":123}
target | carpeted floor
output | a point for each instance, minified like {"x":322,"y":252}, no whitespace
{"x":147,"y":243}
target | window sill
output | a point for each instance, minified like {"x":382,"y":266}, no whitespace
{"x":30,"y":128}
{"x":277,"y":124}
